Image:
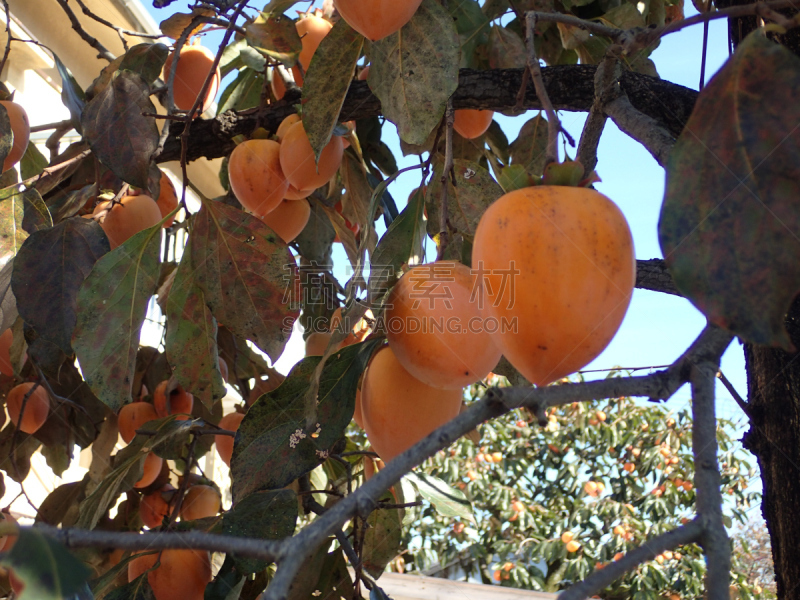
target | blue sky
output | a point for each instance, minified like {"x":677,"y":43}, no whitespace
{"x":658,"y":327}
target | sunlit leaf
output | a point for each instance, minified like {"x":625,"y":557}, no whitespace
{"x":112,"y":304}
{"x":447,"y":500}
{"x":275,"y":36}
{"x":146,"y":59}
{"x":383,"y":538}
{"x":327,"y":81}
{"x":32,"y":163}
{"x":243,"y":92}
{"x":247,"y":274}
{"x":415,"y":71}
{"x":191,"y":343}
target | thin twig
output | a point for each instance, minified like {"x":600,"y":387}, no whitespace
{"x":179,"y":497}
{"x":120,"y":30}
{"x":444,"y":230}
{"x":535,"y":69}
{"x":736,"y":396}
{"x":10,"y":37}
{"x":49,"y":126}
{"x":605,"y":85}
{"x":92,"y":41}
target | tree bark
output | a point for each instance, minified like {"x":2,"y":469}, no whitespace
{"x":773,"y":382}
{"x":569,"y":87}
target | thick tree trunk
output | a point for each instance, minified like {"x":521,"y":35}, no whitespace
{"x":773,"y":381}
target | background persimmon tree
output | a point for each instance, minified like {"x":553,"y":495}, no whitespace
{"x":67,"y":295}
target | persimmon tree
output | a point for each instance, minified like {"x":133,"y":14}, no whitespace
{"x":85,"y":252}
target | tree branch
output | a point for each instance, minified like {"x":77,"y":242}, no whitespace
{"x":599,"y":580}
{"x":570,"y":88}
{"x":92,"y":41}
{"x":710,"y":345}
{"x":641,"y":127}
{"x":653,"y":275}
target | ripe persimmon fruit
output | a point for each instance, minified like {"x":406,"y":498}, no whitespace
{"x":434,"y":326}
{"x":132,"y":416}
{"x":298,"y":161}
{"x":376,"y":19}
{"x":288,"y":219}
{"x":128,"y":217}
{"x":357,"y":333}
{"x":6,"y":339}
{"x":311,"y":29}
{"x":256,"y":176}
{"x":399,"y":410}
{"x":294,"y":194}
{"x":470,"y":123}
{"x":152,"y":469}
{"x":194,"y":65}
{"x":21,"y":128}
{"x":200,"y":501}
{"x":167,"y":199}
{"x":181,"y":574}
{"x":558,"y":268}
{"x":224,"y":443}
{"x":286,"y":124}
{"x":37,"y":406}
{"x":316,"y":343}
{"x":155,"y":507}
{"x":177,"y":402}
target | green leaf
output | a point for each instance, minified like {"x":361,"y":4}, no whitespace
{"x":48,"y":273}
{"x":513,"y":178}
{"x":243,"y":92}
{"x":473,"y":29}
{"x":278,"y":7}
{"x":191,"y":342}
{"x":276,"y":37}
{"x":33,"y":162}
{"x":128,"y":469}
{"x":474,"y":191}
{"x":327,"y":81}
{"x":61,"y":501}
{"x":121,"y":137}
{"x":268,"y":515}
{"x":67,"y":204}
{"x":530,"y":147}
{"x":35,"y":214}
{"x":145,"y":59}
{"x":316,"y":239}
{"x":12,"y":211}
{"x":112,"y":304}
{"x":17,"y":464}
{"x":729,"y":225}
{"x":272,"y":449}
{"x":403,"y":243}
{"x":415,"y":71}
{"x":448,"y":501}
{"x":72,"y":94}
{"x":506,"y":49}
{"x":47,"y":570}
{"x":247,"y":274}
{"x":383,"y":538}
{"x":138,"y":589}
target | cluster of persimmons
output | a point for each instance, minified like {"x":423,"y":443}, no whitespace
{"x":551,"y":276}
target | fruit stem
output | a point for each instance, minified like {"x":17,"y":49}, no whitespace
{"x":553,"y":124}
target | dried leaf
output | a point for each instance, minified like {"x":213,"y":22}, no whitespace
{"x":175,"y":25}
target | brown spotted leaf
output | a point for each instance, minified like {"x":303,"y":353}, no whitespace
{"x":327,"y":81}
{"x":415,"y":71}
{"x":112,"y":304}
{"x":247,"y":274}
{"x":117,"y":130}
{"x":192,"y":336}
{"x":474,"y":191}
{"x":730,"y":223}
{"x":275,"y":36}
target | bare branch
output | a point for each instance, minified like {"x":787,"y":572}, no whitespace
{"x":599,"y":580}
{"x":268,"y":550}
{"x":644,"y":129}
{"x":733,"y":392}
{"x":92,"y":41}
{"x":605,"y":84}
{"x":120,"y":30}
{"x":707,"y":480}
{"x":444,"y":230}
{"x":535,"y":69}
{"x":653,"y":275}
